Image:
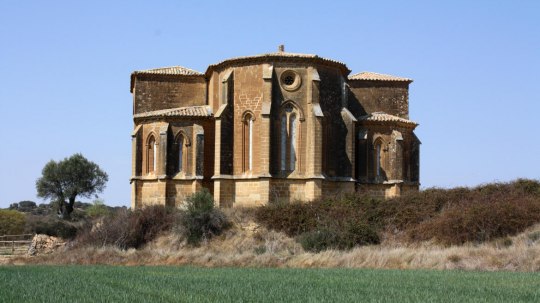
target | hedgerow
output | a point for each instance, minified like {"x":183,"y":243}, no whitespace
{"x":448,"y":216}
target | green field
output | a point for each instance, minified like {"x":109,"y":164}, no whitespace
{"x":188,"y":284}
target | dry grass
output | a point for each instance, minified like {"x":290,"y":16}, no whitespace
{"x":247,"y":244}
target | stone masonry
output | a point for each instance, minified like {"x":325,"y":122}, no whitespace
{"x":273,"y":127}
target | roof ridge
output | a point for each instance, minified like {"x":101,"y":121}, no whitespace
{"x":278,"y":54}
{"x":170,"y":70}
{"x":366,"y":75}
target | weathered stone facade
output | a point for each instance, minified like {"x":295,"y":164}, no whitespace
{"x":278,"y":126}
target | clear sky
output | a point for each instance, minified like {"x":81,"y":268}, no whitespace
{"x":65,"y":70}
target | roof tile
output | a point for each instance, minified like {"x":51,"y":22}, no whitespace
{"x":384,"y":117}
{"x":189,"y":111}
{"x":171,"y":70}
{"x":278,"y":55}
{"x":377,"y":77}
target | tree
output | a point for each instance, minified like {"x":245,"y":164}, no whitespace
{"x":69,"y":178}
{"x":23,"y":206}
{"x":11,"y":222}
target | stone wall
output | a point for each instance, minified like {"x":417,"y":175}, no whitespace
{"x":375,"y":96}
{"x":150,"y":192}
{"x":332,"y":189}
{"x":247,"y":192}
{"x":156,"y":93}
{"x":178,"y":190}
{"x":248,"y":94}
{"x":386,"y":190}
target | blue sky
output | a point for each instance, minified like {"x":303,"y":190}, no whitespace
{"x":65,"y":67}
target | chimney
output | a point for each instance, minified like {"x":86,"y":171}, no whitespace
{"x":281,"y":48}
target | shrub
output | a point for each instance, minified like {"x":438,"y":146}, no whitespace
{"x":450,"y":216}
{"x":11,"y":222}
{"x":318,"y":240}
{"x":480,"y":220}
{"x":97,"y":209}
{"x":339,"y":223}
{"x":201,"y":221}
{"x":23,"y":206}
{"x":460,"y":215}
{"x":51,"y":226}
{"x":129,"y":229}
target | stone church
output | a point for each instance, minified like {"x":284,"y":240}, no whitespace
{"x":273,"y":127}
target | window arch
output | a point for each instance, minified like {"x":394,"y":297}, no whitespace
{"x":290,"y":116}
{"x":151,"y":155}
{"x":247,"y":141}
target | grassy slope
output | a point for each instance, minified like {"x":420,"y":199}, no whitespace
{"x":174,"y":284}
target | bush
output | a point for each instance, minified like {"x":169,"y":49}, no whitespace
{"x":11,"y":222}
{"x":51,"y":226}
{"x":449,"y":216}
{"x":23,"y":206}
{"x":129,"y":229}
{"x":456,"y":216}
{"x":319,"y":240}
{"x":97,"y":209}
{"x":340,"y":223}
{"x":201,"y":221}
{"x":482,"y":219}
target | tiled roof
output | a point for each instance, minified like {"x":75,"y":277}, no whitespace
{"x":384,"y":117}
{"x":189,"y":111}
{"x":278,"y":55}
{"x":171,"y":70}
{"x":377,"y":77}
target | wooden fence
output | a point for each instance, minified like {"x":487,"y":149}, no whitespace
{"x":15,"y":244}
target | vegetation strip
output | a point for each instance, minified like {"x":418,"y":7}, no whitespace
{"x":188,"y":284}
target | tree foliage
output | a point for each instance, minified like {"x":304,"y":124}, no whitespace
{"x":63,"y":181}
{"x":11,"y":222}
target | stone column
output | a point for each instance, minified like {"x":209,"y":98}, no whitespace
{"x":161,"y":170}
{"x":265,"y":136}
{"x":314,"y":118}
{"x":135,"y":140}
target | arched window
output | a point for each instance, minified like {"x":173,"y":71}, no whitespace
{"x":283,"y":149}
{"x":292,"y":141}
{"x":181,"y":153}
{"x":379,"y":159}
{"x":289,"y":138}
{"x":151,"y":155}
{"x":247,"y":150}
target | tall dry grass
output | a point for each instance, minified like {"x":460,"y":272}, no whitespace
{"x":248,"y":244}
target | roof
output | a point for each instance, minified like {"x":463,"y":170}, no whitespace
{"x":171,"y":70}
{"x":384,"y":117}
{"x":377,"y":77}
{"x":189,"y":111}
{"x":279,"y":55}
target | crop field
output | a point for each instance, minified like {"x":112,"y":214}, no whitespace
{"x":189,"y":284}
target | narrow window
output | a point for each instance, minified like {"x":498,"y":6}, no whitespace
{"x":378,"y":159}
{"x":292,"y":142}
{"x":155,"y":156}
{"x":180,"y":153}
{"x":151,"y":155}
{"x":283,"y":153}
{"x":247,"y":143}
{"x":250,"y":144}
{"x":289,"y":133}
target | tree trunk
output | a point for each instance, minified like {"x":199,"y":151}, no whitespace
{"x":66,"y":209}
